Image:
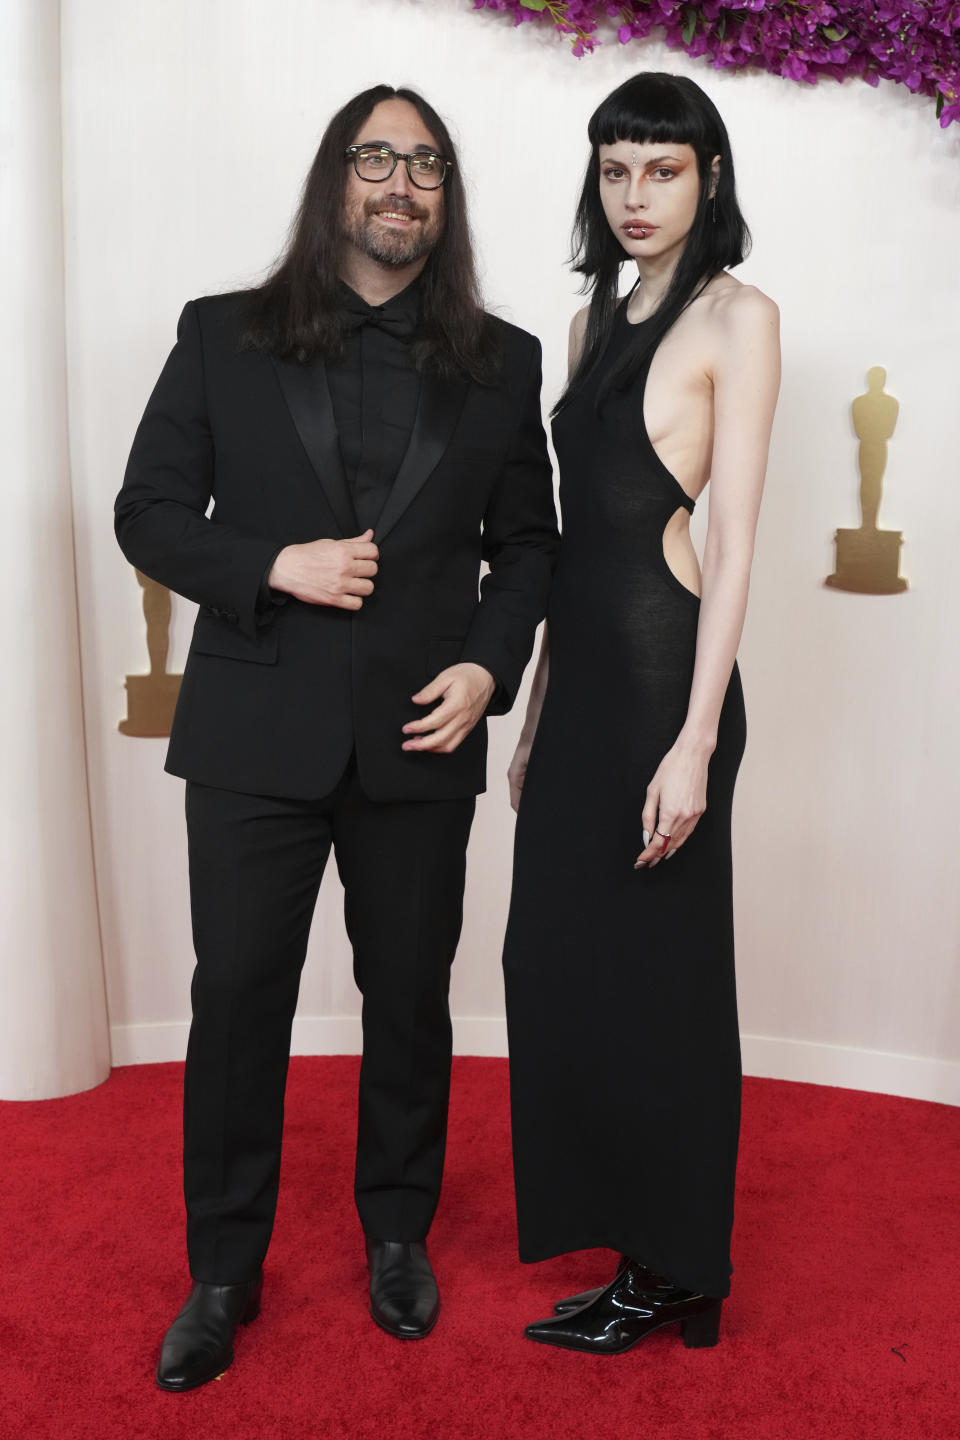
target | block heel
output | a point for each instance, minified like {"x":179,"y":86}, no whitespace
{"x":703,"y":1329}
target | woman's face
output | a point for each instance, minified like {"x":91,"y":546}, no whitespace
{"x":649,"y":195}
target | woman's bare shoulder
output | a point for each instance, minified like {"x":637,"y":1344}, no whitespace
{"x":578,"y":325}
{"x":578,"y":330}
{"x":733,"y":306}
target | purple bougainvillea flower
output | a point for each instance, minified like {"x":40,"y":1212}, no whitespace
{"x":794,"y":68}
{"x":915,"y":43}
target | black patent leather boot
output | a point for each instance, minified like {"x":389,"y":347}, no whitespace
{"x":577,"y":1302}
{"x":626,"y":1311}
{"x":199,"y":1344}
{"x":404,"y":1299}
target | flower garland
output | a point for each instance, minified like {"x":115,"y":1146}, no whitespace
{"x":916,"y":44}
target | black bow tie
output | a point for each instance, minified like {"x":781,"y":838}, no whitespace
{"x":398,"y":318}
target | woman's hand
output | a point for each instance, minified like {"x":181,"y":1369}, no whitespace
{"x":676,"y":798}
{"x":516,"y":771}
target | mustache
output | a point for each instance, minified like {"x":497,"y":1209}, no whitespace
{"x":401,"y":204}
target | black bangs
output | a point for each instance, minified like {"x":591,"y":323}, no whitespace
{"x":655,"y":108}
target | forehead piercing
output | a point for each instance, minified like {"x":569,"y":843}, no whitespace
{"x":633,"y":158}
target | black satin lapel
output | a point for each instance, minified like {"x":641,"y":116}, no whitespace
{"x":437,"y":414}
{"x":307,"y":394}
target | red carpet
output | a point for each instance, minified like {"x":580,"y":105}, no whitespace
{"x":843,"y":1321}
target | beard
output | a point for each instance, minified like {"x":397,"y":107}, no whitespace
{"x":390,"y":247}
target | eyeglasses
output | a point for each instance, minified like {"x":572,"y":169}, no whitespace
{"x":378,"y":162}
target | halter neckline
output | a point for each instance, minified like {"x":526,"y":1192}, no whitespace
{"x":625,"y":304}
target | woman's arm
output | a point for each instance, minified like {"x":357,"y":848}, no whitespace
{"x":517,"y":768}
{"x":746,"y":380}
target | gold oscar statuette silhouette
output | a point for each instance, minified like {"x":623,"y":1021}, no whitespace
{"x":151,"y":698}
{"x":868,"y":559}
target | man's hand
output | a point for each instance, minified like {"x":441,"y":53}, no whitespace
{"x":466,"y":690}
{"x":327,"y":572}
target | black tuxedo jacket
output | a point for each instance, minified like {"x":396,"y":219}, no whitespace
{"x":275,"y":698}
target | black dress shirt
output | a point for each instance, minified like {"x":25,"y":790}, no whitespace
{"x":375,"y":388}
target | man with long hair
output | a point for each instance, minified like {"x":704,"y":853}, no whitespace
{"x":369,"y":434}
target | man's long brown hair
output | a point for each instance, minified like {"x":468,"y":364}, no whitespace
{"x":298,"y":311}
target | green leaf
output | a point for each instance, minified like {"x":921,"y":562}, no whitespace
{"x":534,"y":4}
{"x":940,"y":99}
{"x":722,"y":24}
{"x":836,"y":32}
{"x":690,"y":26}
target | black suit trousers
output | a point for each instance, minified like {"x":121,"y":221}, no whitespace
{"x":256,"y":863}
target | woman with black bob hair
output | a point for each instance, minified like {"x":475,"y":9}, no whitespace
{"x":621,"y":1001}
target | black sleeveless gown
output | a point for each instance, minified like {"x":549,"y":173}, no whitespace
{"x":621,"y":1001}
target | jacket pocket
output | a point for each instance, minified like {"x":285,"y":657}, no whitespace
{"x":212,"y":636}
{"x":442,"y":653}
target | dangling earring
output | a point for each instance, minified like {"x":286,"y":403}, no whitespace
{"x":713,"y":207}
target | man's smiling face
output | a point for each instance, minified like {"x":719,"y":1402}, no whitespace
{"x":392,"y":221}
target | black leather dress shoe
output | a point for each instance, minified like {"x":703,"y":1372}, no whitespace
{"x":586,"y":1297}
{"x":404,"y":1299}
{"x":626,"y":1312}
{"x":199,"y":1344}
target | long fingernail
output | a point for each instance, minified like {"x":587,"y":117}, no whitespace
{"x":646,"y":837}
{"x":640,"y":865}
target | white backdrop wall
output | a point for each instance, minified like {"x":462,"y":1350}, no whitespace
{"x":53,"y":1017}
{"x":187,"y":131}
